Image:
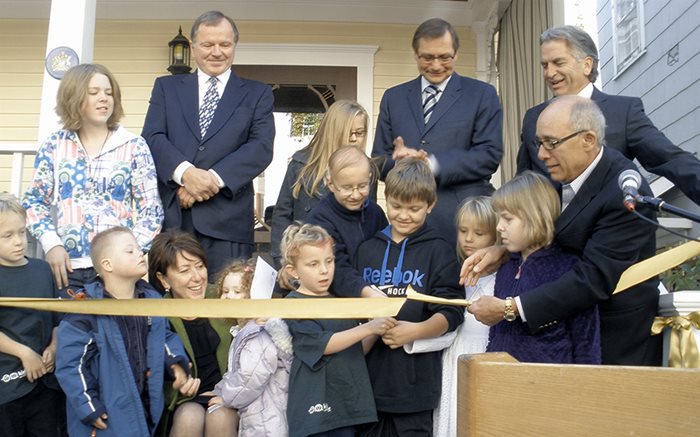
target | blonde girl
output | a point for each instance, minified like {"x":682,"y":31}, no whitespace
{"x":345,"y":123}
{"x":527,"y":208}
{"x":476,"y":229}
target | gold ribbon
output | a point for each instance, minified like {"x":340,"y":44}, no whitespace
{"x":650,"y":267}
{"x":683,"y":350}
{"x":318,"y":308}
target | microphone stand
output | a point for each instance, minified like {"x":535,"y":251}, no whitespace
{"x":660,"y":205}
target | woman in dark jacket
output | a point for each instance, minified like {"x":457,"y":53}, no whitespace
{"x":345,"y":123}
{"x":178,"y":268}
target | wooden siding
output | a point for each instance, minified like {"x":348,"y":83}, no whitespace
{"x":136,"y":52}
{"x":669,"y":90}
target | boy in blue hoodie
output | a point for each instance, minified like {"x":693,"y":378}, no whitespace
{"x":112,"y":367}
{"x":409,"y":253}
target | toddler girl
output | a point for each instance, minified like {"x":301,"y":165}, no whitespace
{"x":259,"y":361}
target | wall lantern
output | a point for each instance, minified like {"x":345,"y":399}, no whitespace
{"x":179,"y":54}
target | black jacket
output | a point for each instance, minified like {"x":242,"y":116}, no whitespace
{"x":349,"y":229}
{"x":404,"y":383}
{"x":288,"y":209}
{"x":628,"y":130}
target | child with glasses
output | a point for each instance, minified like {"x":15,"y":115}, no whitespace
{"x":349,"y":216}
{"x":304,"y":185}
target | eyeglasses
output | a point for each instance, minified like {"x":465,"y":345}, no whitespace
{"x":551,"y":144}
{"x":363,"y":189}
{"x":358,"y":133}
{"x":428,"y":59}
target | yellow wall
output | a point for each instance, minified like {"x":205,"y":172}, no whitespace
{"x":136,"y":52}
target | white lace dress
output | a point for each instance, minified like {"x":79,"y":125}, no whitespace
{"x":472,"y":338}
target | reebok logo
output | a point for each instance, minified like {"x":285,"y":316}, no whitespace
{"x":395,"y":276}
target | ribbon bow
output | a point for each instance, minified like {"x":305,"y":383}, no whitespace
{"x":683,"y":351}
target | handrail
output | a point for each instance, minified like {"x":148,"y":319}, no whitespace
{"x":17,"y":149}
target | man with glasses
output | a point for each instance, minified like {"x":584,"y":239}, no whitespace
{"x":451,"y":121}
{"x":596,"y":226}
{"x":570,"y":66}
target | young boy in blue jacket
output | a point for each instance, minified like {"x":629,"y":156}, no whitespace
{"x":406,"y":253}
{"x":112,"y":367}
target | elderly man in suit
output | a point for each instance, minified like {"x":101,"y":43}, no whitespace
{"x":570,"y":66}
{"x":595,"y":225}
{"x":452,"y":122}
{"x":211,"y":133}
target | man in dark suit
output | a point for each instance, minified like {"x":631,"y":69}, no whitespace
{"x":596,"y":226}
{"x":570,"y":66}
{"x":211,"y":133}
{"x":452,"y":122}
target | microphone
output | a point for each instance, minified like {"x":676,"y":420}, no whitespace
{"x":629,"y":182}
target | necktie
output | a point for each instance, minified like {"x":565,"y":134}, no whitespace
{"x":567,"y":195}
{"x":206,"y":112}
{"x":429,"y":100}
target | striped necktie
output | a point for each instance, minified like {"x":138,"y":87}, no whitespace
{"x":206,"y":112}
{"x":567,"y":195}
{"x":429,"y":100}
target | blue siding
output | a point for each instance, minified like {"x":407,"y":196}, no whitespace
{"x":671,"y":93}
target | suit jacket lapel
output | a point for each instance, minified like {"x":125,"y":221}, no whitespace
{"x":188,"y":93}
{"x":448,"y":98}
{"x":415,"y":102}
{"x":234,"y":93}
{"x":589,"y":189}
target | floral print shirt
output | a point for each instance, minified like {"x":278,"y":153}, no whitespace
{"x":118,"y":187}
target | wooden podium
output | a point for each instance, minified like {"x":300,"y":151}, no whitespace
{"x":499,"y":396}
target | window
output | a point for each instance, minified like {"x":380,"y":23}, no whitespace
{"x":628,"y":32}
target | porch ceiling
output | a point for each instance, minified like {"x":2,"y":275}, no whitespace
{"x":459,"y":13}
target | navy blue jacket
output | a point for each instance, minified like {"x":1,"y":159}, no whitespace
{"x":464,"y":134}
{"x":598,"y":228}
{"x":237,"y":146}
{"x":93,"y":370}
{"x":349,"y":229}
{"x":409,"y":383}
{"x":628,"y":130}
{"x":288,"y":209}
{"x":574,"y":341}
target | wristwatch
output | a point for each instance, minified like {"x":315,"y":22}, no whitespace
{"x":509,"y":313}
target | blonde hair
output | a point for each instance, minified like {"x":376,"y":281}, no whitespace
{"x":10,"y":203}
{"x":73,"y":91}
{"x":102,"y":242}
{"x":532,"y":198}
{"x":298,"y":235}
{"x":479,"y":211}
{"x":349,"y":156}
{"x":245,"y":267}
{"x":332,"y":133}
{"x":411,"y":179}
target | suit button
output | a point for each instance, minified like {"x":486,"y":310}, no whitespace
{"x":201,"y":148}
{"x":423,"y":142}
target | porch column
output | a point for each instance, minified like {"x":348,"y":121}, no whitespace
{"x":70,"y":41}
